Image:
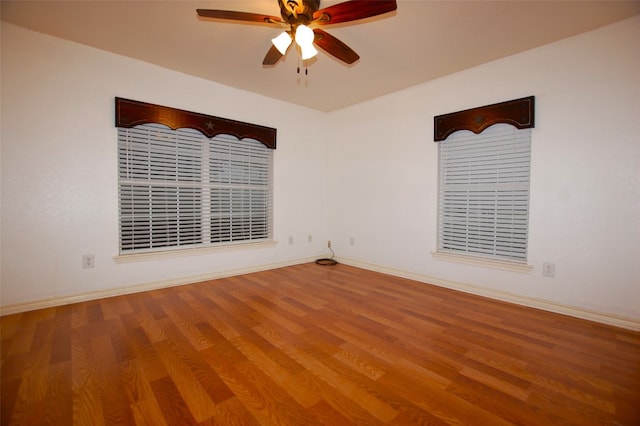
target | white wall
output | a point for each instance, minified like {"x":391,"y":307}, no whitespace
{"x":585,"y":184}
{"x":59,"y":180}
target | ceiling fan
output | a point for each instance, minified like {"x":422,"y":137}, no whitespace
{"x":300,"y":16}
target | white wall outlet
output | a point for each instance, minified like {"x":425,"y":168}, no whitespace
{"x":309,"y":238}
{"x":352,"y":241}
{"x":290,"y":240}
{"x":88,"y":261}
{"x":549,"y":269}
{"x":329,"y":244}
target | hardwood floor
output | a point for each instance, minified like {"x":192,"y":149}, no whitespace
{"x":311,"y":344}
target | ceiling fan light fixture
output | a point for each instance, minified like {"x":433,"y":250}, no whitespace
{"x":282,"y":42}
{"x":304,"y":39}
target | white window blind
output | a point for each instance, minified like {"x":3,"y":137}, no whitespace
{"x":180,"y":189}
{"x":484,"y":193}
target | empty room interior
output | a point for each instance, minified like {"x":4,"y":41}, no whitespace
{"x":428,"y":213}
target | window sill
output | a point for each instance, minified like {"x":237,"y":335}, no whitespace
{"x":487,"y":263}
{"x":169,"y":254}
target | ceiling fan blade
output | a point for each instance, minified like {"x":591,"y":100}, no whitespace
{"x":352,"y":11}
{"x":272,"y":56}
{"x":239,"y":16}
{"x":335,"y":47}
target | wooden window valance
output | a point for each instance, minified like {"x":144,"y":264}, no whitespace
{"x":131,"y":113}
{"x":518,"y":112}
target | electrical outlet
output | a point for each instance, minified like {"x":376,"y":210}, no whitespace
{"x":549,"y":269}
{"x":310,"y":238}
{"x":352,"y":241}
{"x":88,"y":261}
{"x":329,"y":243}
{"x":291,"y":240}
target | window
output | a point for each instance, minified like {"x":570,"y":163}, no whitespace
{"x":484,"y":172}
{"x":484,"y":193}
{"x":181,"y":189}
{"x":184,"y":188}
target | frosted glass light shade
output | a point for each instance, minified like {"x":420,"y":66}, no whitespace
{"x":282,"y":42}
{"x":308,"y":52}
{"x":304,"y":35}
{"x":304,"y":39}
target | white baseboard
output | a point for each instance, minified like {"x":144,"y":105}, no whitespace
{"x":600,"y":317}
{"x":83,"y":297}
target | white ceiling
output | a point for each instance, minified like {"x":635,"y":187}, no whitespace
{"x":421,"y":41}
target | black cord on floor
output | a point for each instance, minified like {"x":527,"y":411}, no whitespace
{"x":328,"y":261}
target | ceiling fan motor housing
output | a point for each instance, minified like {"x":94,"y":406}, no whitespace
{"x":298,"y":11}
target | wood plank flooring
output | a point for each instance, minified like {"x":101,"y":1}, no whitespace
{"x":308,"y":345}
